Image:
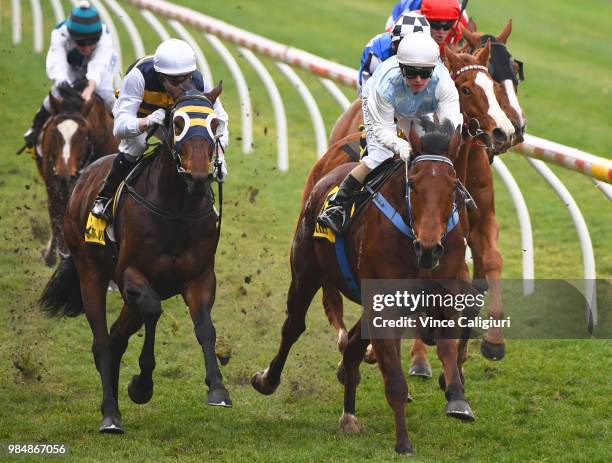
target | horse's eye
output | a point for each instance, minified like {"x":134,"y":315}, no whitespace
{"x":466,"y":90}
{"x":179,"y":123}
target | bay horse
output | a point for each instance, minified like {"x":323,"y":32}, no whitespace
{"x":425,"y":194}
{"x":166,"y":234}
{"x":77,"y":134}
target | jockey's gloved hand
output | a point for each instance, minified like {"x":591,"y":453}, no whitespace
{"x":157,"y":117}
{"x":405,"y":150}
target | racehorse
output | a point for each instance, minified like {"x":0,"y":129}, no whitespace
{"x":476,"y":105}
{"x":166,"y":234}
{"x":506,"y":71}
{"x":426,"y":195}
{"x":75,"y":136}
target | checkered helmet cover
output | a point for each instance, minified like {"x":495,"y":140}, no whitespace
{"x":408,"y":23}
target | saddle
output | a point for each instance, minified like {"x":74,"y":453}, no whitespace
{"x":373,"y":182}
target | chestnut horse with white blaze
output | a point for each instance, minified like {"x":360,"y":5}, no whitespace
{"x":79,"y":133}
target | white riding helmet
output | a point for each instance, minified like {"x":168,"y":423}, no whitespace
{"x":174,"y":57}
{"x":418,"y":50}
{"x":409,"y":23}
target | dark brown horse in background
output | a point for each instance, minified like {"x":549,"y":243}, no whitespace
{"x":378,"y":250}
{"x":79,"y":133}
{"x":166,"y":233}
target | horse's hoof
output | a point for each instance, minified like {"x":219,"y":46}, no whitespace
{"x":442,"y":382}
{"x":49,"y":257}
{"x":111,"y":425}
{"x":460,"y":409}
{"x":261,"y":384}
{"x":370,"y":356}
{"x":480,"y":285}
{"x":404,"y":449}
{"x":137,"y":395}
{"x":219,"y":398}
{"x":223,"y":360}
{"x":492,"y":351}
{"x":342,"y":340}
{"x":422,"y":369}
{"x":349,"y":423}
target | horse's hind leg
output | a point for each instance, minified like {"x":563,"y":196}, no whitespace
{"x":200,"y":297}
{"x":128,"y":322}
{"x":420,"y":365}
{"x":93,"y":291}
{"x":334,"y":309}
{"x":348,"y":374}
{"x":305,"y":281}
{"x":138,"y":293}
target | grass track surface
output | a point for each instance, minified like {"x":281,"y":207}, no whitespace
{"x":547,"y":401}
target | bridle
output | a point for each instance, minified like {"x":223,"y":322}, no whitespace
{"x":461,"y":196}
{"x":472,"y":126}
{"x":171,"y":145}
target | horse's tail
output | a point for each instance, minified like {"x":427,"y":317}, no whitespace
{"x":62,"y":295}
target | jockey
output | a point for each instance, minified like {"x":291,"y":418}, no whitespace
{"x":404,"y":87}
{"x":81,"y":47}
{"x":441,"y":14}
{"x":384,"y":45}
{"x":142,"y":104}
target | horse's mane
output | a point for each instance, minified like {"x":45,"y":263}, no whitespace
{"x":437,"y":135}
{"x":72,"y":101}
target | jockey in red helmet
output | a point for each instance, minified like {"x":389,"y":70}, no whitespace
{"x":442,"y":16}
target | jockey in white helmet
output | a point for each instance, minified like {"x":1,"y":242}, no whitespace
{"x":142,"y":104}
{"x":404,"y":87}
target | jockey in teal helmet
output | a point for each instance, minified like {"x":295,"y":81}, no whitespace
{"x":81,"y":48}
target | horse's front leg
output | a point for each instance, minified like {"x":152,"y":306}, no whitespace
{"x":199,"y":295}
{"x":49,"y":252}
{"x":488,"y":264}
{"x":451,"y":382}
{"x":137,"y":292}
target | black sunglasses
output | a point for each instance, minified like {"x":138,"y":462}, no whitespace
{"x":86,"y":42}
{"x":446,"y":25}
{"x":411,"y":72}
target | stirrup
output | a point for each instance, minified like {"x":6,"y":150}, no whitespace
{"x":333,"y":217}
{"x":100,"y":208}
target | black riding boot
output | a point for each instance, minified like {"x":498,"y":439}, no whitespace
{"x":337,"y":214}
{"x":31,"y":136}
{"x":122,"y":165}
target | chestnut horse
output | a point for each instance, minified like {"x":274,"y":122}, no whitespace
{"x":166,"y":234}
{"x":376,"y":249}
{"x":476,"y":105}
{"x":78,"y":134}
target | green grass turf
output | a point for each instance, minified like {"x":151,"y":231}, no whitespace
{"x":547,"y":401}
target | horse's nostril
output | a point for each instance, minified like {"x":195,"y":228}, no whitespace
{"x":418,"y":249}
{"x":437,"y":251}
{"x":499,"y":135}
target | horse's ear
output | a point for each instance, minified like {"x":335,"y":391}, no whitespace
{"x":484,"y":54}
{"x":88,"y":106}
{"x":415,"y":141}
{"x":503,"y":36}
{"x":470,"y":38}
{"x":451,"y":60}
{"x":56,"y":103}
{"x":455,"y":143}
{"x":215,"y":92}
